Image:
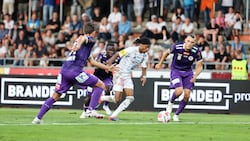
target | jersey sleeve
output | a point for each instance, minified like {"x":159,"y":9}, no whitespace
{"x":198,"y":56}
{"x":126,"y":51}
{"x":144,"y":64}
{"x":172,"y":48}
{"x":99,"y":57}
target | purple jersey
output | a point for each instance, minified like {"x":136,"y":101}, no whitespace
{"x":72,"y":70}
{"x":100,"y":73}
{"x":182,"y":59}
{"x":77,"y":60}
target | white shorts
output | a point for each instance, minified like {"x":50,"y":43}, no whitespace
{"x":122,"y":81}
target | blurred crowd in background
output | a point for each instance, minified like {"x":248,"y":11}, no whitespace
{"x":33,"y":34}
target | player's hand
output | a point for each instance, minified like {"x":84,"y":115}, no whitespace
{"x":76,"y":43}
{"x":83,"y":39}
{"x":79,"y":41}
{"x":193,"y":79}
{"x":157,"y":66}
{"x":113,"y":68}
{"x":143,"y":81}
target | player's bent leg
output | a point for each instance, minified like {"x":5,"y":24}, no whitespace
{"x":176,"y":94}
{"x":124,"y":105}
{"x":45,"y":108}
{"x":181,"y":107}
{"x":85,"y":106}
{"x":106,"y":109}
{"x":108,"y":98}
{"x":95,"y":97}
{"x":91,"y":112}
{"x":100,"y":84}
{"x":169,"y":107}
{"x":182,"y":104}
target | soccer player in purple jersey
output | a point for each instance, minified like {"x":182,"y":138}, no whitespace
{"x":72,"y":71}
{"x":103,"y":75}
{"x":182,"y":77}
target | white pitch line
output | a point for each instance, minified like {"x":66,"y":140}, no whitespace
{"x":118,"y":123}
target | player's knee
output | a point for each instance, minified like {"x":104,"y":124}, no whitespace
{"x":130,"y":98}
{"x":178,"y":91}
{"x":100,"y":84}
{"x":56,"y":96}
{"x":186,"y":97}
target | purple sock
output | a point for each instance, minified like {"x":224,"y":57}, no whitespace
{"x":182,"y":105}
{"x":85,"y":108}
{"x":45,"y":107}
{"x":173,"y":98}
{"x":105,"y":103}
{"x":97,"y":92}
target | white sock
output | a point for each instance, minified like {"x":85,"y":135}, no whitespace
{"x":124,"y":105}
{"x":108,"y":98}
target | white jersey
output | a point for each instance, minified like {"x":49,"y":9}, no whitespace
{"x":130,"y":58}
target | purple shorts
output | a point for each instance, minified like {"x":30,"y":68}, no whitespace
{"x":181,"y":79}
{"x":108,"y":82}
{"x":67,"y":79}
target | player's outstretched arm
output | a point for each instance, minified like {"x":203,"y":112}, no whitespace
{"x":112,"y":59}
{"x":79,"y":41}
{"x":143,"y":76}
{"x":93,"y":62}
{"x":198,"y":69}
{"x":164,"y":56}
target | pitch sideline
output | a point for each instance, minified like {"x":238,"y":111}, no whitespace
{"x":121,"y":123}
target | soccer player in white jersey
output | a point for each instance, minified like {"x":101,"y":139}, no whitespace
{"x":131,"y":57}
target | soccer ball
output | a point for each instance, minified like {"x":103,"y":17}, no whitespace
{"x":163,"y":116}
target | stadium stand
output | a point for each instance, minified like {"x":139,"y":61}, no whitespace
{"x":42,"y":48}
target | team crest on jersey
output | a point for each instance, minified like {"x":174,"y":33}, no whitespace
{"x":193,"y":50}
{"x":190,"y":58}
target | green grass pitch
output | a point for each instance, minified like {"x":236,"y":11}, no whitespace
{"x":65,"y":125}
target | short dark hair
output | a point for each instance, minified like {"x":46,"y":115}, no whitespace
{"x":111,"y":46}
{"x":89,"y":28}
{"x":145,"y":41}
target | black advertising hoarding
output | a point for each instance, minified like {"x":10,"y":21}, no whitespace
{"x":32,"y":91}
{"x":241,"y":96}
{"x":210,"y":96}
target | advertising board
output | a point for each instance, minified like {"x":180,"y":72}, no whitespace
{"x":220,"y":96}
